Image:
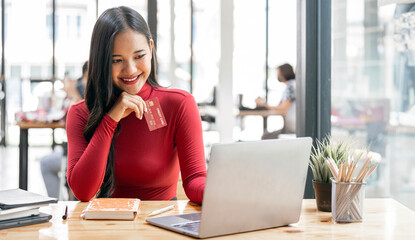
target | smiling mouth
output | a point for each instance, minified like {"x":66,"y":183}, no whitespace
{"x":131,"y":79}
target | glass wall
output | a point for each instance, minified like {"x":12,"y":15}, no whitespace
{"x":139,"y":5}
{"x":173,"y":47}
{"x":206,"y":49}
{"x":373,"y":89}
{"x":74,"y":25}
{"x":2,"y":93}
{"x":282,"y":48}
{"x":28,"y":55}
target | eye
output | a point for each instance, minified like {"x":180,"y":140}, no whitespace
{"x":140,"y":56}
{"x":116,"y":60}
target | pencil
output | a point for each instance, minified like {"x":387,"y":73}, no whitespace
{"x":65,"y":215}
{"x":161,"y":210}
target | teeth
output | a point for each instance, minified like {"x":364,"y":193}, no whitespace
{"x":129,"y":79}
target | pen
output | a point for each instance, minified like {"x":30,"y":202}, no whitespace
{"x":65,"y":215}
{"x":162,"y":210}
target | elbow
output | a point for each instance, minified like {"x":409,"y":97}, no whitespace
{"x":84,"y":197}
{"x":195,"y":193}
{"x":196,"y":198}
{"x":80,"y":192}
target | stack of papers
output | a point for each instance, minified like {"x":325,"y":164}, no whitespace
{"x":19,"y":208}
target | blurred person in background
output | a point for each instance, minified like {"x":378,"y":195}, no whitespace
{"x":286,"y":107}
{"x":50,"y":164}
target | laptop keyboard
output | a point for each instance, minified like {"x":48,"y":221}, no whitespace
{"x":188,"y":226}
{"x":191,"y":216}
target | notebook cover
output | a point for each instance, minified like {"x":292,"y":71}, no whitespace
{"x":13,"y":198}
{"x":17,"y":222}
{"x":26,"y":213}
{"x":112,"y":208}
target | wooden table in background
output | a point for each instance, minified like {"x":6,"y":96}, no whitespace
{"x":24,"y":145}
{"x":263,"y":113}
{"x":382,"y":219}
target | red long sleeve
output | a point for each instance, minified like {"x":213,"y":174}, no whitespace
{"x":147,"y":164}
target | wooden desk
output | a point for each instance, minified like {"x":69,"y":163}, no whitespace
{"x":24,"y":145}
{"x":382,"y":219}
{"x":263,"y":113}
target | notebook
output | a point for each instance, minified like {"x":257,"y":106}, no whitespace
{"x":24,"y":213}
{"x":112,"y":208}
{"x":18,"y":222}
{"x":249,"y":186}
{"x":14,"y":198}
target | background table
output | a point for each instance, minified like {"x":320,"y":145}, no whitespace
{"x":382,"y":219}
{"x":263,"y":113}
{"x":24,"y":145}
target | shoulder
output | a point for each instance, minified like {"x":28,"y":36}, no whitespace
{"x":172,"y":92}
{"x":174,"y":96}
{"x":80,"y":107}
{"x":176,"y":101}
{"x":291,"y":84}
{"x":78,"y":111}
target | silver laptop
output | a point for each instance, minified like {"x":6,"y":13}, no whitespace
{"x":249,"y":186}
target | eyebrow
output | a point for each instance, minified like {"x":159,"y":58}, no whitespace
{"x":138,"y":51}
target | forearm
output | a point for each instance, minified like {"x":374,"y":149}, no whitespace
{"x":190,"y":149}
{"x":87,"y":161}
{"x":282,"y":108}
{"x":194,"y":187}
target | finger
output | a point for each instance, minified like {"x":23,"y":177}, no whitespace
{"x":141,"y":105}
{"x":140,"y":102}
{"x":134,"y":107}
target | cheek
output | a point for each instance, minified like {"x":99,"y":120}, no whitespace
{"x":115,"y":73}
{"x":148,"y":65}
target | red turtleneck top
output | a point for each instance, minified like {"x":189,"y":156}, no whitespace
{"x":147,"y":164}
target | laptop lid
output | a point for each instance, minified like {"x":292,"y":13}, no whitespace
{"x":254,"y":185}
{"x":249,"y":186}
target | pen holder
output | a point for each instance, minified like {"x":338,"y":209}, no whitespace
{"x":347,"y":201}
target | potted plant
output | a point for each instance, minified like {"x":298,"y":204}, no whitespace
{"x":327,"y":148}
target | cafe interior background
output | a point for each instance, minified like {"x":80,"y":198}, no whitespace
{"x":235,"y":46}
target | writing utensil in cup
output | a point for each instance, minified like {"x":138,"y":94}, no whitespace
{"x":162,"y":210}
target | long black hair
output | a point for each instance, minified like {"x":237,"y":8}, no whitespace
{"x":100,"y":91}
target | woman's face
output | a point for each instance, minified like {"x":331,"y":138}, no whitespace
{"x":131,"y":61}
{"x":280,"y":76}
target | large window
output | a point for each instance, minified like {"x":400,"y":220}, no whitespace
{"x":373,"y":89}
{"x":139,"y":5}
{"x":173,"y":43}
{"x":28,"y":55}
{"x":206,"y":49}
{"x":74,"y":23}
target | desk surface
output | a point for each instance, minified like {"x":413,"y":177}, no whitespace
{"x":27,"y":125}
{"x":382,"y":219}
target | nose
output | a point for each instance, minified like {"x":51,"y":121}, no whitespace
{"x":129,"y":67}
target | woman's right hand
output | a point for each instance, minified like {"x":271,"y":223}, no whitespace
{"x":125,"y":104}
{"x":260,"y":102}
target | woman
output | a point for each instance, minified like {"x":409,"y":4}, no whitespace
{"x":286,"y":106}
{"x":111,"y":151}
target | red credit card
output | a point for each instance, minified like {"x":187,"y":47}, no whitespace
{"x":154,"y":115}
